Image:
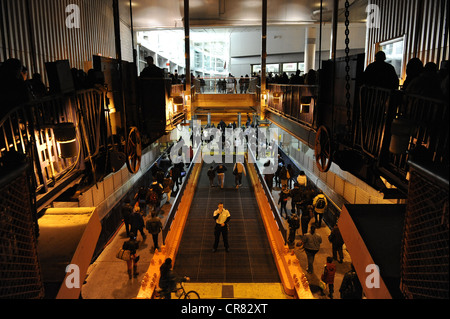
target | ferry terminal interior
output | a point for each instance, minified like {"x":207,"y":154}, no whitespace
{"x":102,"y":129}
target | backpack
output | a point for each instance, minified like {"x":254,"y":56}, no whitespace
{"x":153,"y":197}
{"x":321,"y":204}
{"x":152,"y":227}
{"x":295,"y":223}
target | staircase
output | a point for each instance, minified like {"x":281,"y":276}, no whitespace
{"x":224,"y":106}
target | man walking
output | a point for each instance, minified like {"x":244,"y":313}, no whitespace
{"x":221,"y":169}
{"x":320,"y":205}
{"x":211,"y":175}
{"x":311,"y":243}
{"x":238,"y":170}
{"x":222,"y":217}
{"x":154,"y":227}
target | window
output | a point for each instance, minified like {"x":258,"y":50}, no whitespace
{"x":256,"y":68}
{"x":394,"y":50}
{"x":289,"y":67}
{"x":301,"y":67}
{"x":273,"y":68}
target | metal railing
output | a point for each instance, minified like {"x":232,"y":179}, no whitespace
{"x":28,"y":130}
{"x":424,"y":123}
{"x":297,"y":102}
{"x":176,"y":203}
{"x":225,"y":85}
{"x":270,"y":199}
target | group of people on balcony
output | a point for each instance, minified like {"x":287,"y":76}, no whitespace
{"x":16,"y":87}
{"x":424,"y":80}
{"x":310,"y":78}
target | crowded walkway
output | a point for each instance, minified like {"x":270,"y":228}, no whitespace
{"x":111,"y":273}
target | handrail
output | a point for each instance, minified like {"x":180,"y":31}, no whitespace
{"x":175,"y":205}
{"x":380,"y":113}
{"x":274,"y":207}
{"x":336,"y":210}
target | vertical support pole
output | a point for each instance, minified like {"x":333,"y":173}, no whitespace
{"x":209,"y":119}
{"x":239,"y":121}
{"x":263,"y":99}
{"x":187,"y":40}
{"x":320,"y":34}
{"x":117,"y":30}
{"x":333,"y":57}
{"x":334,"y":23}
{"x":120,"y":102}
{"x":310,"y":49}
{"x":133,"y":34}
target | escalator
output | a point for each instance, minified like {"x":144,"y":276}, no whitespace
{"x":250,"y":259}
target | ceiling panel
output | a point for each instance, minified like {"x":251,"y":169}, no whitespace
{"x":151,"y":14}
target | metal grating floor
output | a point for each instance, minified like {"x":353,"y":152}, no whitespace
{"x":250,"y":258}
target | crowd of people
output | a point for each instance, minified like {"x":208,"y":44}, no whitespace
{"x":142,"y":212}
{"x":427,"y":80}
{"x":308,"y":205}
{"x":17,"y":87}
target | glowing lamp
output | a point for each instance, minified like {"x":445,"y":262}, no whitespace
{"x":66,"y":138}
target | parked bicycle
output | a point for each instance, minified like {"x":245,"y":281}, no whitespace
{"x":180,"y":292}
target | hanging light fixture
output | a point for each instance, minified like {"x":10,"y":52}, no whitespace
{"x":66,"y":137}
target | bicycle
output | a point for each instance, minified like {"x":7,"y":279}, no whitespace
{"x":180,"y":292}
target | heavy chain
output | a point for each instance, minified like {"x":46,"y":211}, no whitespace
{"x":347,"y":68}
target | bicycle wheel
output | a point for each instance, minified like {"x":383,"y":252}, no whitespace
{"x":192,"y":295}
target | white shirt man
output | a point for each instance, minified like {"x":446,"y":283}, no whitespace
{"x":222,"y":217}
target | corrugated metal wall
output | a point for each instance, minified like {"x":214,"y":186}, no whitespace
{"x":35,"y":32}
{"x":423,"y":23}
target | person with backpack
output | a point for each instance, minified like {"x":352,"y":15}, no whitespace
{"x":211,"y":175}
{"x":137,"y":222}
{"x":132,"y":245}
{"x":238,"y":170}
{"x":154,"y":195}
{"x":320,"y":205}
{"x":154,"y":227}
{"x":140,"y":198}
{"x":294,"y":224}
{"x":351,"y":287}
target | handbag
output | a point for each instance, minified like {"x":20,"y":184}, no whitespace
{"x":124,"y":255}
{"x":323,"y":286}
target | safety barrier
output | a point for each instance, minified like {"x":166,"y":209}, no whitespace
{"x":292,"y":276}
{"x":173,"y":229}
